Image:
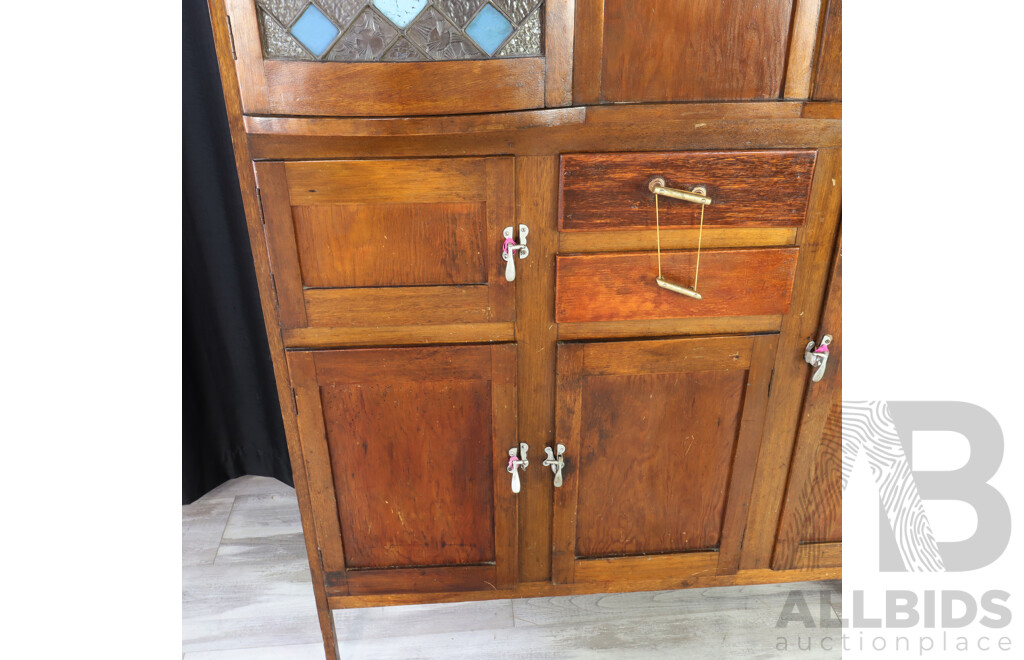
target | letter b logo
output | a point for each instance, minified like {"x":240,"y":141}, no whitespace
{"x":883,"y":431}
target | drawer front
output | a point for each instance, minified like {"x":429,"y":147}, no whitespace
{"x":747,"y":188}
{"x":621,"y":286}
{"x":376,"y":243}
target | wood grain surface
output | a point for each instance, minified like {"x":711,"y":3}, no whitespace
{"x":369,"y":243}
{"x":362,"y":245}
{"x":438,"y":421}
{"x":621,"y":286}
{"x":747,"y":188}
{"x":654,"y":461}
{"x":698,"y":50}
{"x":828,"y":82}
{"x":661,"y":442}
{"x":813,"y":509}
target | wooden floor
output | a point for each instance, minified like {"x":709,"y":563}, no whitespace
{"x":246,"y":595}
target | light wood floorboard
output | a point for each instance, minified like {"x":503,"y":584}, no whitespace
{"x":246,"y":595}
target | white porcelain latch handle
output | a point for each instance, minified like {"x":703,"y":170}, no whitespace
{"x":515,"y":463}
{"x":509,"y":248}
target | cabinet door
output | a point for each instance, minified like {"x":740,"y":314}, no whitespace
{"x":630,"y":51}
{"x":399,"y":57}
{"x":384,"y":243}
{"x":661,"y":440}
{"x":811,"y":527}
{"x":406,"y":451}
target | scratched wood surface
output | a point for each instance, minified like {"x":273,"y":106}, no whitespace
{"x":610,"y":191}
{"x":620,"y":286}
{"x":661,"y":438}
{"x":246,"y":595}
{"x":438,"y":421}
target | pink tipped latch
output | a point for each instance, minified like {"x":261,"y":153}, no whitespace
{"x":509,"y":248}
{"x":515,"y":463}
{"x":817,"y":357}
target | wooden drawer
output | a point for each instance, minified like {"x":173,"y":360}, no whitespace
{"x":620,"y":286}
{"x":748,"y":188}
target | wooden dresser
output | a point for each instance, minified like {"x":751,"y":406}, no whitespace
{"x":459,"y":210}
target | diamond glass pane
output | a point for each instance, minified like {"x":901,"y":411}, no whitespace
{"x":314,"y":30}
{"x":400,"y":30}
{"x":366,"y":40}
{"x":400,"y":12}
{"x":489,"y":29}
{"x":526,"y":41}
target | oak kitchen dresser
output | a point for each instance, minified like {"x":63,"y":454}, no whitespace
{"x":478,"y":228}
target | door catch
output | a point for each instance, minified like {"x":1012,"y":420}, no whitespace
{"x":515,"y":464}
{"x":817,"y":357}
{"x":556,"y":464}
{"x":509,"y":247}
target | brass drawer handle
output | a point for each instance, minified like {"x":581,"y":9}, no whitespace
{"x":698,"y":195}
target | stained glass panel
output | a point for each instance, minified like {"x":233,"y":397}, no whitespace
{"x":314,"y":30}
{"x":401,"y":12}
{"x":400,"y":30}
{"x":489,"y":29}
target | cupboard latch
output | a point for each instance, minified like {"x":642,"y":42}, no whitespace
{"x":515,"y":463}
{"x":817,"y":357}
{"x":509,"y":247}
{"x":556,"y":463}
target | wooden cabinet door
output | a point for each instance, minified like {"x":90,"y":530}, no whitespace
{"x":811,"y":523}
{"x":661,"y":439}
{"x":383,"y":243}
{"x":406,"y":451}
{"x":399,"y":58}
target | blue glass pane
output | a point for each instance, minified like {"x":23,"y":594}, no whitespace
{"x":489,"y":29}
{"x":400,"y":12}
{"x":314,"y":30}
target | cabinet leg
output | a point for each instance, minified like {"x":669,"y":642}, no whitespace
{"x":327,"y":629}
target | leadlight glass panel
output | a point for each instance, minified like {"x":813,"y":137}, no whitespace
{"x":400,"y":30}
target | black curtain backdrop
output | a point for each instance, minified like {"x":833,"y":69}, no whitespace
{"x":231,"y":420}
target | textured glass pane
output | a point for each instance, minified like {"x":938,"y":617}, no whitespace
{"x":517,"y":10}
{"x":284,"y":11}
{"x":526,"y":41}
{"x":489,"y":29}
{"x":342,"y":11}
{"x":460,"y":11}
{"x":403,"y":51}
{"x":401,"y":12}
{"x":314,"y":30}
{"x":277,"y":43}
{"x":366,"y":40}
{"x":401,"y":30}
{"x":439,"y":38}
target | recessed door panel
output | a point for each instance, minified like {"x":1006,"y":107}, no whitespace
{"x":661,"y":440}
{"x":811,"y":526}
{"x":381,"y":243}
{"x":407,"y":449}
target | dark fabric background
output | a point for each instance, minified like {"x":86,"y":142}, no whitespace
{"x":231,"y":420}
